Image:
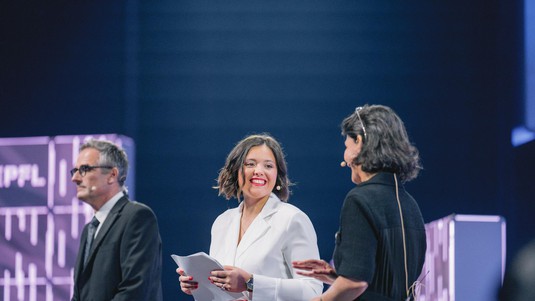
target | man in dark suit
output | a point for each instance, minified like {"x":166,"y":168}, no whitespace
{"x":120,"y":250}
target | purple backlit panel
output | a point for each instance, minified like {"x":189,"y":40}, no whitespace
{"x":40,"y":217}
{"x":436,"y":272}
{"x":465,"y":258}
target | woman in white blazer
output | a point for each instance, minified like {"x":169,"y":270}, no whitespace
{"x":257,"y":241}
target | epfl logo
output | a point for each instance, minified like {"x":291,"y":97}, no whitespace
{"x":20,"y":174}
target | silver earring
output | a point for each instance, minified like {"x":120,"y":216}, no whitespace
{"x":278,"y":187}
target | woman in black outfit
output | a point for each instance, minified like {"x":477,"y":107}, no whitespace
{"x":380,"y":246}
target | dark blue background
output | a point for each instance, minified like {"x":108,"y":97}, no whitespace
{"x":188,"y":79}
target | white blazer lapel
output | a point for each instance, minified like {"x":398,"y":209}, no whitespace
{"x":232,"y":238}
{"x":224,"y":241}
{"x":259,"y":227}
{"x":255,"y":231}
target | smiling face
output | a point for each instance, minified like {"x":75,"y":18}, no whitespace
{"x":258,"y":176}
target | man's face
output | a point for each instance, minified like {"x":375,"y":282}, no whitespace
{"x":93,"y":185}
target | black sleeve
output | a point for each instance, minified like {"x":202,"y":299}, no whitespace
{"x":356,"y":241}
{"x":140,"y":258}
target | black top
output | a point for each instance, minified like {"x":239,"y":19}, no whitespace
{"x":369,"y":243}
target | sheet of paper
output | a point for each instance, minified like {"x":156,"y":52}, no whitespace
{"x":199,"y":266}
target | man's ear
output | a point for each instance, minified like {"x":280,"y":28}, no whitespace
{"x":113,"y":175}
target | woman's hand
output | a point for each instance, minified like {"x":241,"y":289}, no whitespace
{"x":315,"y":268}
{"x":187,"y":285}
{"x":231,"y":279}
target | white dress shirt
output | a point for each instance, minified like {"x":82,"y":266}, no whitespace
{"x":103,"y":212}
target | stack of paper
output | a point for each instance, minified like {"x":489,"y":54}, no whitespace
{"x":199,"y":266}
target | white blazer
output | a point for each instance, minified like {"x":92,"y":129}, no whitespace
{"x":280,"y":234}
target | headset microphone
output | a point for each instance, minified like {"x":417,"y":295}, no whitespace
{"x":93,"y":188}
{"x":343,"y":164}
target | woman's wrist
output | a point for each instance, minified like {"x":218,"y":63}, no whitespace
{"x":249,"y":283}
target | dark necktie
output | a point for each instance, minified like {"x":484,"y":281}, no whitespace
{"x":92,"y":227}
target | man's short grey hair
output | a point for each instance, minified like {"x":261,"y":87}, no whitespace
{"x":111,"y":155}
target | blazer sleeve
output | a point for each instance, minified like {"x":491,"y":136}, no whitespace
{"x":140,"y":258}
{"x":300,"y":243}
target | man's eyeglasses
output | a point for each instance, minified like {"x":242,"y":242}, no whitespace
{"x":83,"y":169}
{"x":361,"y":123}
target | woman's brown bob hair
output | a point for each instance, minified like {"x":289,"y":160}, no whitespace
{"x":227,"y":182}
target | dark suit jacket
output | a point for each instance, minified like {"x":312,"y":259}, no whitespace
{"x":125,"y":262}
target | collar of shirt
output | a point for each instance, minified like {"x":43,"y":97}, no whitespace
{"x":102,"y":214}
